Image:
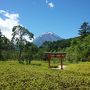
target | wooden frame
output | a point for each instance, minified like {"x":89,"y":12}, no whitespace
{"x":59,"y":55}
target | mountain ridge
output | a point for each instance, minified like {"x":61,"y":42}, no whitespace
{"x":47,"y":36}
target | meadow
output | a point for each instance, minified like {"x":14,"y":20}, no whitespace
{"x":37,"y":76}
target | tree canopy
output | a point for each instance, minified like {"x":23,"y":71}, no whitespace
{"x":77,"y":48}
{"x":18,"y":37}
{"x":84,"y":29}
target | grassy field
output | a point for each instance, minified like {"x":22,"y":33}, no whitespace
{"x":37,"y":76}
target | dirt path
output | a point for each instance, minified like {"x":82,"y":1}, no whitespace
{"x":59,"y":67}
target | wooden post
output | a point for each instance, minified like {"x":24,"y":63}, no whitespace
{"x":61,"y":63}
{"x":49,"y":58}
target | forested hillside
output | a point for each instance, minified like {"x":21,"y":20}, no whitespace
{"x":18,"y":48}
{"x":77,"y":49}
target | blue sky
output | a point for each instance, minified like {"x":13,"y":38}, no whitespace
{"x":62,"y":17}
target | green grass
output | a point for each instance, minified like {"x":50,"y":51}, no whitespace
{"x":37,"y":76}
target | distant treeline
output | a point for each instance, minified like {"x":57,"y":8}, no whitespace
{"x":18,"y":48}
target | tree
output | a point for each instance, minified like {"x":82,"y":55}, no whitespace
{"x":4,"y":47}
{"x":0,"y":44}
{"x":84,"y":29}
{"x":30,"y":52}
{"x":18,"y":38}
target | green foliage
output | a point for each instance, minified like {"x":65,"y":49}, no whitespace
{"x":37,"y":76}
{"x":0,"y":45}
{"x":19,"y":40}
{"x":79,"y":49}
{"x":4,"y":47}
{"x":18,"y":46}
{"x":55,"y":46}
{"x":29,"y":52}
{"x":84,"y":29}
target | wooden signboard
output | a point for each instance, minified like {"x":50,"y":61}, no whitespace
{"x":59,"y":55}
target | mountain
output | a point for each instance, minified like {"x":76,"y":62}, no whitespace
{"x":48,"y":36}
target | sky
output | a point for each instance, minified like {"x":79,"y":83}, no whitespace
{"x":63,"y":17}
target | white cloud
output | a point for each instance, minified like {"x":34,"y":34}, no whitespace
{"x":50,"y":4}
{"x":7,"y":23}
